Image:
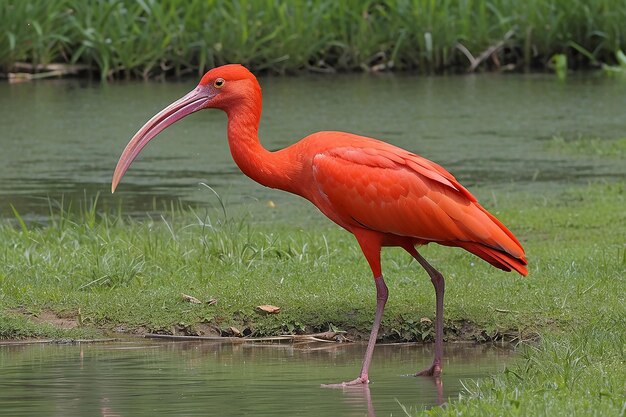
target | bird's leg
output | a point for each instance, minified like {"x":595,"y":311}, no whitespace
{"x":438,"y":282}
{"x":381,"y":299}
{"x":370,"y":243}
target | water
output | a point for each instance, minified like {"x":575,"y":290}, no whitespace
{"x":218,"y":379}
{"x":60,"y":140}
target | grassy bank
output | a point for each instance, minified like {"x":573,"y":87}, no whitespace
{"x":109,"y":271}
{"x":143,"y":38}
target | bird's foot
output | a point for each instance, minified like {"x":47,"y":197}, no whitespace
{"x":354,"y":382}
{"x":434,"y":370}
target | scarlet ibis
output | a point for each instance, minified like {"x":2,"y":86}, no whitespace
{"x":382,"y":194}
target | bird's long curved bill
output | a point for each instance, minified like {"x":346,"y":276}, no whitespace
{"x":190,"y":103}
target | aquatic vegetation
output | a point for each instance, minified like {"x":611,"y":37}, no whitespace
{"x":620,"y":68}
{"x":559,"y":63}
{"x":147,"y":38}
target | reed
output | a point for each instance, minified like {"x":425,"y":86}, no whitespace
{"x":148,"y":38}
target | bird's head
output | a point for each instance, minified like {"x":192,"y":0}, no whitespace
{"x":229,"y":88}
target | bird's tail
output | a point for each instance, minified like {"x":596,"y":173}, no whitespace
{"x":498,"y":258}
{"x":503,"y":251}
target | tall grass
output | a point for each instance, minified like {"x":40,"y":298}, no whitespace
{"x":149,"y":38}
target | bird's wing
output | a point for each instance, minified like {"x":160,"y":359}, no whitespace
{"x":388,"y":189}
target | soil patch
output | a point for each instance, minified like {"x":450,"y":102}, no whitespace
{"x":48,"y":317}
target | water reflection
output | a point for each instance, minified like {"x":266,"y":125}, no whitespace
{"x":63,"y":138}
{"x":160,"y":378}
{"x":360,"y":396}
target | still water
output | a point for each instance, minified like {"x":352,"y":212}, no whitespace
{"x":60,"y":140}
{"x":219,"y":379}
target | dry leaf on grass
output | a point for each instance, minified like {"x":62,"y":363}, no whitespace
{"x":191,"y":299}
{"x":269,"y":309}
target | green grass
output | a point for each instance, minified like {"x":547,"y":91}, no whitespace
{"x":119,"y":270}
{"x":589,"y":146}
{"x":17,"y":327}
{"x":148,"y":38}
{"x":110,"y":272}
{"x":580,"y":374}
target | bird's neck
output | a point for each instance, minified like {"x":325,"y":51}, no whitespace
{"x":271,"y":169}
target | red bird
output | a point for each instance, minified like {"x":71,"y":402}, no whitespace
{"x":382,"y":194}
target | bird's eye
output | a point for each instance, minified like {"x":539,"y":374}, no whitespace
{"x":219,"y":83}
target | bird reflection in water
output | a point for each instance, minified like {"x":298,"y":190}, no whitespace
{"x":360,"y":396}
